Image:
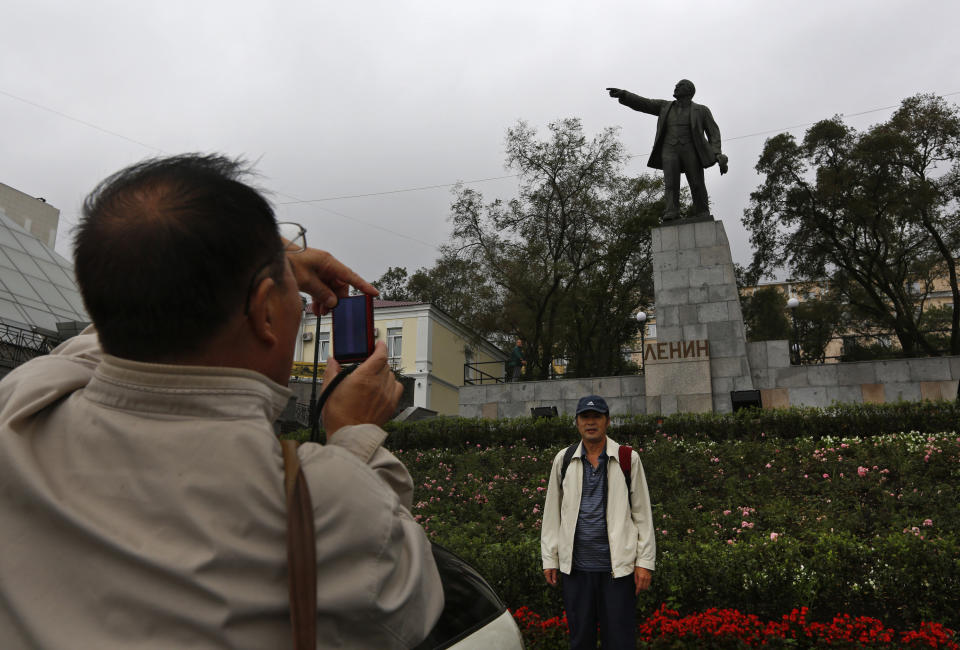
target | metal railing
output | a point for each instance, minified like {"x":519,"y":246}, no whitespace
{"x":302,"y":413}
{"x":559,"y":369}
{"x":474,"y":375}
{"x":858,"y":348}
{"x":18,"y":345}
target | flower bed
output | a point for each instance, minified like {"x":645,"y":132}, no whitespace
{"x":728,"y":628}
{"x":867,"y":526}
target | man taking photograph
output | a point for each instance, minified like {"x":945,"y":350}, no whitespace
{"x":141,"y":484}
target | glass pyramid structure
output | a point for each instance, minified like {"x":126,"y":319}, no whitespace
{"x":37,"y":289}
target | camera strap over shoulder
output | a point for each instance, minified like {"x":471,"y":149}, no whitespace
{"x":301,"y":550}
{"x":328,"y":390}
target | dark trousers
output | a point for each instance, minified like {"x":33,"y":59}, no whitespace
{"x":592,"y":597}
{"x":679,"y":159}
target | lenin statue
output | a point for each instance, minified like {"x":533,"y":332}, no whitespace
{"x":687,"y":141}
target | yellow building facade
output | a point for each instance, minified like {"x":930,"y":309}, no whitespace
{"x":423,"y":342}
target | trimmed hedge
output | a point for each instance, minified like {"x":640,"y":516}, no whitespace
{"x":795,"y":422}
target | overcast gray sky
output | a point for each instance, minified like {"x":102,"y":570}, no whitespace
{"x":354,"y":98}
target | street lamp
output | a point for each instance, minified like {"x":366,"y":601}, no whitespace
{"x":792,"y":305}
{"x":642,"y":319}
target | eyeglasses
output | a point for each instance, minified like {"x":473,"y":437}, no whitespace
{"x":294,"y":238}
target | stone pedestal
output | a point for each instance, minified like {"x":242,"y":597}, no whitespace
{"x":700,"y":347}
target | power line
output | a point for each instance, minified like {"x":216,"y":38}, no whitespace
{"x":400,"y":191}
{"x":296,"y":201}
{"x":79,"y":121}
{"x":630,"y":156}
{"x":800,"y":126}
{"x":73,"y":222}
{"x":395,"y":233}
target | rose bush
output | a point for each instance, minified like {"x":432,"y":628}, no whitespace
{"x":728,"y":628}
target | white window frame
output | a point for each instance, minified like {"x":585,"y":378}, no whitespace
{"x":467,"y":359}
{"x":394,"y":342}
{"x":323,"y":340}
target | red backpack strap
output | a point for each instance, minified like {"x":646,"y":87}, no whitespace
{"x":625,"y":453}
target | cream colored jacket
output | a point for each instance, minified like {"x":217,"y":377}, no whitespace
{"x":630,"y":533}
{"x":142,"y":506}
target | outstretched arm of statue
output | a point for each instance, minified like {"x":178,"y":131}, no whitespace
{"x":636,"y":102}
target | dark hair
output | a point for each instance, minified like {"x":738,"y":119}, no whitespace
{"x":166,"y":251}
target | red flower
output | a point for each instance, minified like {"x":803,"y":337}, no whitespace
{"x":723,"y":626}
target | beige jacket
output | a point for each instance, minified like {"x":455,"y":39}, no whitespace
{"x":630,"y":533}
{"x":142,"y":506}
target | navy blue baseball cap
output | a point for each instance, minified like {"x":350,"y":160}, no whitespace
{"x":592,"y":403}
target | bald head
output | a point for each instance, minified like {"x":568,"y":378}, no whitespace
{"x":166,"y":250}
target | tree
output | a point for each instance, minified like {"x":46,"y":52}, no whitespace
{"x":765,"y":315}
{"x":567,"y":262}
{"x":817,"y":322}
{"x":461,"y":289}
{"x":936,"y":324}
{"x":866,"y":213}
{"x":811,"y":326}
{"x":393,"y":284}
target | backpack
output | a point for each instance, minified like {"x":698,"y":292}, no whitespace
{"x":624,"y":457}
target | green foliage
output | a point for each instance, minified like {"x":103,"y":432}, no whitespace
{"x":871,"y":349}
{"x":461,"y":289}
{"x":300,"y":435}
{"x":868,"y":213}
{"x":817,"y":323}
{"x":767,"y":318}
{"x":936,"y":323}
{"x":765,"y":315}
{"x":456,"y":432}
{"x":796,"y":422}
{"x":393,"y":284}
